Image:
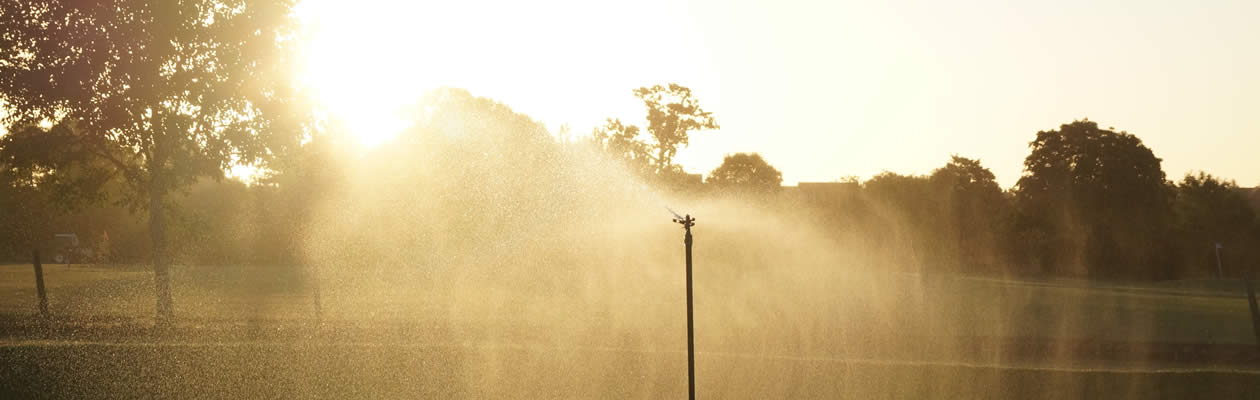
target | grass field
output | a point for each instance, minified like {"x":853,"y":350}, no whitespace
{"x":251,"y":331}
{"x":296,"y":370}
{"x":1177,"y":311}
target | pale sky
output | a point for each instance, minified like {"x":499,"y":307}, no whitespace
{"x":824,"y":89}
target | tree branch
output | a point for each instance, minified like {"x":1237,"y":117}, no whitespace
{"x":95,"y":148}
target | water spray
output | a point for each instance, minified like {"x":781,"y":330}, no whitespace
{"x":687,"y":222}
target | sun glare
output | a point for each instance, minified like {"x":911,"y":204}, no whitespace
{"x":364,"y":61}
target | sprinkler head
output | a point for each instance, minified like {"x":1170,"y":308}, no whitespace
{"x":686,"y":222}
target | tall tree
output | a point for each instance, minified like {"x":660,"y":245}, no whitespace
{"x":1209,"y":211}
{"x":621,"y":141}
{"x":165,"y":92}
{"x":748,"y":172}
{"x":976,"y":209}
{"x":1098,"y":198}
{"x":672,"y":114}
{"x":904,"y":219}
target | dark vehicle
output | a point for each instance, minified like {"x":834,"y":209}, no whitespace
{"x":67,"y":249}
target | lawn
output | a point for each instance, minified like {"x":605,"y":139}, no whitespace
{"x":357,"y":370}
{"x":251,"y":331}
{"x":1213,"y":312}
{"x":103,"y":292}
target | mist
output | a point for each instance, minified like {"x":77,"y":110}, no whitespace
{"x":476,"y":227}
{"x":266,"y":199}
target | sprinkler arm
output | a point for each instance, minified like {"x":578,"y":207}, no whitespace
{"x":686,"y":221}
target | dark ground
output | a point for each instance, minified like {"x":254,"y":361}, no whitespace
{"x":296,"y":370}
{"x":256,"y":338}
{"x":207,"y":359}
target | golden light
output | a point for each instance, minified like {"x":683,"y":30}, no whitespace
{"x":365,"y":61}
{"x":559,"y":61}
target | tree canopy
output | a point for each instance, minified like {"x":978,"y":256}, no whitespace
{"x":975,"y":210}
{"x":672,"y":114}
{"x":746,"y":171}
{"x":1098,"y":197}
{"x":163,"y":92}
{"x":1211,"y":211}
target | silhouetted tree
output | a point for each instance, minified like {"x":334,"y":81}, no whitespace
{"x":56,"y":187}
{"x":905,"y":218}
{"x":165,"y":92}
{"x":1252,"y":195}
{"x":977,"y":212}
{"x":746,"y":172}
{"x":24,"y":220}
{"x":1093,"y":200}
{"x":672,"y":114}
{"x":57,"y":161}
{"x":1209,"y":211}
{"x":622,"y":142}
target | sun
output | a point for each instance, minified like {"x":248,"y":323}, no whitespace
{"x":364,"y":62}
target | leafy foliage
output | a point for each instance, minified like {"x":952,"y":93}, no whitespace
{"x":976,"y":213}
{"x":184,"y":88}
{"x":748,"y":172}
{"x":672,"y":114}
{"x":164,"y":92}
{"x":622,"y":142}
{"x":1211,"y":211}
{"x":1096,"y":199}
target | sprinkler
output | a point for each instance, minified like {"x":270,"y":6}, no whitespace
{"x":687,"y":222}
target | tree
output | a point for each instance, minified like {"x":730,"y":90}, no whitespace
{"x":20,"y":231}
{"x":965,"y":175}
{"x":904,"y":219}
{"x":163,"y":92}
{"x":976,"y":211}
{"x":748,"y":172}
{"x":1093,"y":199}
{"x":1210,"y":211}
{"x":622,"y":142}
{"x":672,"y":114}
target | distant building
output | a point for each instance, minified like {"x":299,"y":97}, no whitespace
{"x":683,"y":182}
{"x":693,"y":179}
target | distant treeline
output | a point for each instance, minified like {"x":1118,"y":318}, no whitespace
{"x":958,"y":220}
{"x":1092,"y":202}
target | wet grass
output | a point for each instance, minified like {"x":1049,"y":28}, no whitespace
{"x":304,"y":370}
{"x":251,"y":332}
{"x":890,"y":304}
{"x":126,"y":291}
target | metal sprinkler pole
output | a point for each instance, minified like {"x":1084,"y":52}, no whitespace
{"x":687,"y":222}
{"x":1251,"y":296}
{"x":1220,"y":272}
{"x":39,"y":286}
{"x":1255,"y":309}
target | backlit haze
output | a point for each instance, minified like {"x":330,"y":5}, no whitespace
{"x":824,"y":90}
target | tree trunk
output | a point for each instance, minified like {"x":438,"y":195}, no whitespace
{"x":161,"y":260}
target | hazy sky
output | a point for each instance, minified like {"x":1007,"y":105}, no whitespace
{"x":825,"y":89}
